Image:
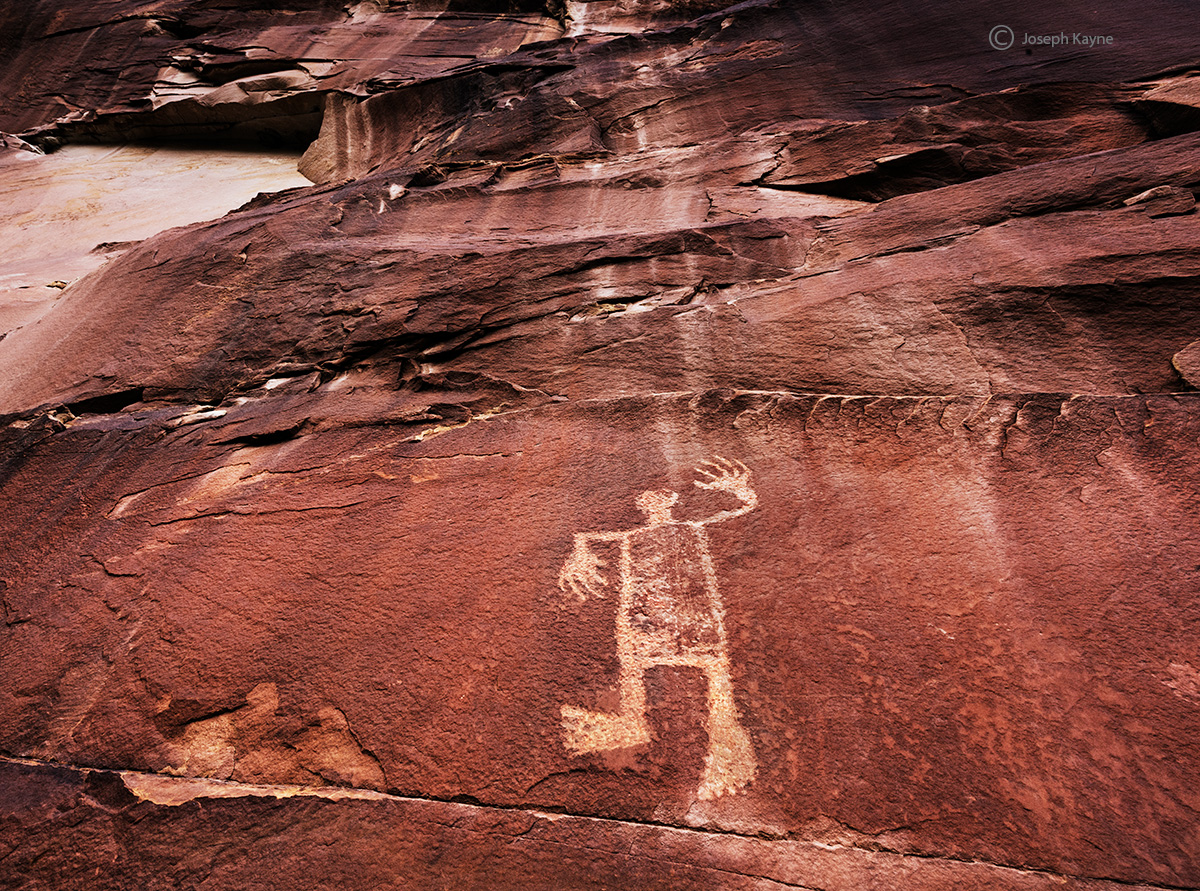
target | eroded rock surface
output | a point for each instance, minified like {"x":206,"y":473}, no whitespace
{"x":66,"y":213}
{"x":670,"y":445}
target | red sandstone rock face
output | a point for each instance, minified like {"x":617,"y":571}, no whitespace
{"x":674,"y":446}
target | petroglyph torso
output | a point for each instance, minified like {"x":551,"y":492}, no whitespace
{"x":670,"y":596}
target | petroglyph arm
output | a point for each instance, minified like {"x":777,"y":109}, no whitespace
{"x":581,"y":574}
{"x":727,"y":475}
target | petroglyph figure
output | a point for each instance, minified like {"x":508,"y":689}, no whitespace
{"x":669,"y":613}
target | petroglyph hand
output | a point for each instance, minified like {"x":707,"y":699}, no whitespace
{"x":581,"y":573}
{"x":725,"y":475}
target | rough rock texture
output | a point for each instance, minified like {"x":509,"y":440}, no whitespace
{"x":671,"y":445}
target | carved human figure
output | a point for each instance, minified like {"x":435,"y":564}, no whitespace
{"x":669,"y":612}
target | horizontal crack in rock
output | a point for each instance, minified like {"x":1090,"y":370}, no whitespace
{"x":171,"y":791}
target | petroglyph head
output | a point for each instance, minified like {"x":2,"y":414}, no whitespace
{"x":656,"y":505}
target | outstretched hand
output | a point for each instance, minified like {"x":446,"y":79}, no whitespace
{"x":724,"y":474}
{"x":581,"y":574}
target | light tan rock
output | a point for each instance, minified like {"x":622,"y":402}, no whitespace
{"x":65,"y":214}
{"x":1187,"y":363}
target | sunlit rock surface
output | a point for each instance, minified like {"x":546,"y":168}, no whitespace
{"x":599,"y":445}
{"x":67,"y":213}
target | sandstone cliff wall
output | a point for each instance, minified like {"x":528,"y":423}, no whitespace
{"x":667,"y":445}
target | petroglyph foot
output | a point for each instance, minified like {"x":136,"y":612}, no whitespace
{"x":599,"y":731}
{"x":729,"y":765}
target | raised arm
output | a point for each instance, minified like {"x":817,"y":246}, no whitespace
{"x":726,"y":475}
{"x":581,"y":574}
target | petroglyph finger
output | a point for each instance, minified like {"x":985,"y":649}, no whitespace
{"x":579,"y":588}
{"x":733,"y":467}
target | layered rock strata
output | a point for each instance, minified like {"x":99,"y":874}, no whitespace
{"x":668,"y":445}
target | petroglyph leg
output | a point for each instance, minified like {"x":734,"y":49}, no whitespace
{"x":729,"y":764}
{"x":600,"y":731}
{"x":587,"y":731}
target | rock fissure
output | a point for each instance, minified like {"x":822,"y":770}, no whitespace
{"x":192,"y":788}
